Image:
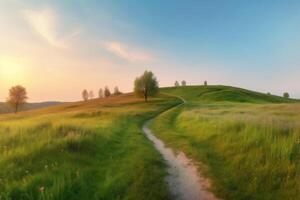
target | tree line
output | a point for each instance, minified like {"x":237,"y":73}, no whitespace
{"x":145,"y":86}
{"x":102,"y":93}
{"x":183,"y":83}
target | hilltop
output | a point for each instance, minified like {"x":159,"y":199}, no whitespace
{"x":247,"y":141}
{"x":220,"y":93}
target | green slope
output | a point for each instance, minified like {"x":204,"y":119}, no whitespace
{"x":218,"y":93}
{"x":248,"y":142}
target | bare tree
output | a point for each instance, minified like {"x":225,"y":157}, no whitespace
{"x":85,"y":95}
{"x":176,"y":83}
{"x":183,"y":83}
{"x":17,"y":97}
{"x":146,"y":85}
{"x":91,"y":94}
{"x":117,"y":91}
{"x":205,"y":83}
{"x":100,"y":93}
{"x":107,"y":92}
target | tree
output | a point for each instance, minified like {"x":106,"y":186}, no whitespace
{"x":183,"y":83}
{"x":176,"y":84}
{"x":286,"y":95}
{"x":91,"y":94}
{"x":117,"y":91}
{"x":100,"y":93}
{"x":107,"y":92}
{"x":146,"y":85}
{"x":205,"y":83}
{"x":85,"y":95}
{"x":268,"y":93}
{"x":17,"y":97}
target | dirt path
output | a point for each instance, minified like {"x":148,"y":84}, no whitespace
{"x":184,"y":179}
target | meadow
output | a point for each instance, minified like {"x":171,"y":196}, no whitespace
{"x":246,"y":142}
{"x":84,"y":150}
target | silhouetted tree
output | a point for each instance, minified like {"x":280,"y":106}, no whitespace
{"x":286,"y":95}
{"x":17,"y":97}
{"x":91,"y":94}
{"x":183,"y":83}
{"x":146,"y":85}
{"x":100,"y":93}
{"x":107,"y":92}
{"x":205,"y":83}
{"x":117,"y":91}
{"x":85,"y":95}
{"x":176,"y":83}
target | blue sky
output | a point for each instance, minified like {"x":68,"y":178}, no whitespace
{"x":90,"y":44}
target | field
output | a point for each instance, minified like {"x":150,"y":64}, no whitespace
{"x":85,"y":150}
{"x":246,"y":142}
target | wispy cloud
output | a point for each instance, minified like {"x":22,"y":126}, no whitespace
{"x":45,"y":23}
{"x":127,"y":53}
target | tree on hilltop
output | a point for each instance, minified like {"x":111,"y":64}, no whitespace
{"x":286,"y":95}
{"x":107,"y":92}
{"x":146,"y":85}
{"x":100,"y":93}
{"x":85,"y":95}
{"x":91,"y":94}
{"x":17,"y":97}
{"x":117,"y":91}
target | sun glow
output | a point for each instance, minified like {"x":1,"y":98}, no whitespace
{"x":12,"y":69}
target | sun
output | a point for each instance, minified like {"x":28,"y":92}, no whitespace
{"x":12,"y":69}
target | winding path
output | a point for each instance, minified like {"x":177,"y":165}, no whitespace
{"x":184,"y":179}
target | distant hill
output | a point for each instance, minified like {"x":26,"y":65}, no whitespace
{"x":4,"y":108}
{"x":220,"y":93}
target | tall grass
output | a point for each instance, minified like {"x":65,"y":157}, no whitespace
{"x":91,"y":150}
{"x":252,"y":151}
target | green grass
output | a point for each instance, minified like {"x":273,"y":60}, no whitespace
{"x":92,"y":150}
{"x":249,"y":142}
{"x":219,"y":93}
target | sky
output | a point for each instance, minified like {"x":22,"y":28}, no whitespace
{"x":57,"y":48}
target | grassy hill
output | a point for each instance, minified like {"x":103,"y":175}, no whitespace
{"x":4,"y":108}
{"x":248,"y":141}
{"x":250,"y":150}
{"x":83,"y":150}
{"x":219,"y":93}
